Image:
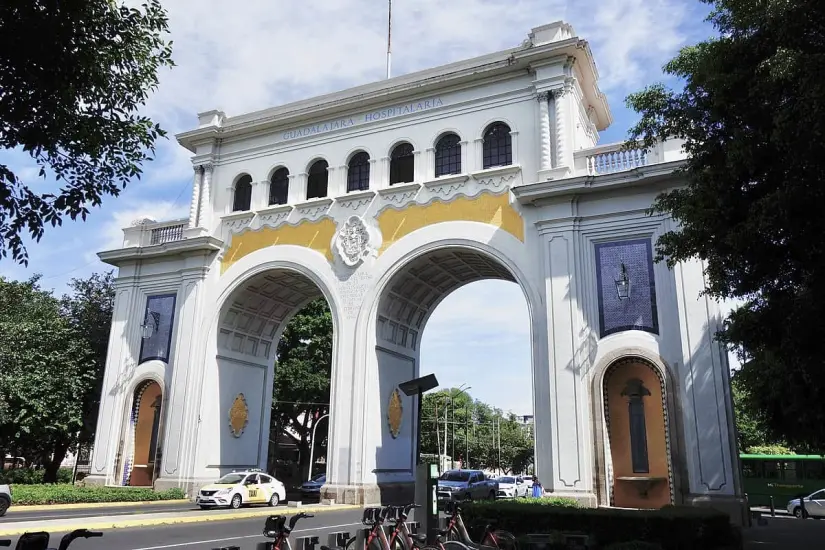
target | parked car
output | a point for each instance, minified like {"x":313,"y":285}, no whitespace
{"x":466,"y":485}
{"x":814,"y":505}
{"x":313,"y":486}
{"x":241,"y":488}
{"x":5,"y":499}
{"x":528,"y":480}
{"x":511,"y":487}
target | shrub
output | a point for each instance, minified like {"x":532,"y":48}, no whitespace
{"x":70,"y":494}
{"x":30,"y":476}
{"x":672,"y":528}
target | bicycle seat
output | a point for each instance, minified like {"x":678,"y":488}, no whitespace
{"x":329,"y":547}
{"x":417,"y":537}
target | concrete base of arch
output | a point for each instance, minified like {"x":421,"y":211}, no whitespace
{"x":735,"y":507}
{"x":583,"y":498}
{"x":384,"y":493}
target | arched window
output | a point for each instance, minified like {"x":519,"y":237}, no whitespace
{"x":498,"y":145}
{"x":402,"y":164}
{"x":279,"y":186}
{"x":358,"y":172}
{"x":448,"y":155}
{"x":243,"y":194}
{"x":317,"y":180}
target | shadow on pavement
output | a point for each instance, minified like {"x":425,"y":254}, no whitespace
{"x":783,"y":533}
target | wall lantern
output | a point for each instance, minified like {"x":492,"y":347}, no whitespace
{"x":623,"y":284}
{"x":150,"y":325}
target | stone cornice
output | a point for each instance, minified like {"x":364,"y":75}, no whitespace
{"x":175,"y":249}
{"x":537,"y":193}
{"x":369,"y":96}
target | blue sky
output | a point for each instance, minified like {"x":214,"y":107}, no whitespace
{"x":244,"y":56}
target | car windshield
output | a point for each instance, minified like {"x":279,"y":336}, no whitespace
{"x":320,"y":478}
{"x":506,"y":480}
{"x":231,"y":479}
{"x":455,"y":476}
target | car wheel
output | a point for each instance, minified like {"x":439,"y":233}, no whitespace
{"x":797,"y":512}
{"x":492,"y":495}
{"x":274,"y":500}
{"x":4,"y":505}
{"x":236,"y":502}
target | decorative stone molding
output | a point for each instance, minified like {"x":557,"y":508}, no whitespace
{"x":399,"y":194}
{"x":497,"y":177}
{"x":447,"y":185}
{"x":237,"y":221}
{"x":273,"y":215}
{"x":355,"y":200}
{"x":313,"y":208}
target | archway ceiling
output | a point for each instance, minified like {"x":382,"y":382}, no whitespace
{"x":423,"y":283}
{"x":251,"y":320}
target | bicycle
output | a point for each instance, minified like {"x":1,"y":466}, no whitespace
{"x":401,"y":537}
{"x":276,"y":528}
{"x":492,"y":538}
{"x":40,"y":540}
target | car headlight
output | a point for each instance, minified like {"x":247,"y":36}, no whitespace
{"x":224,"y":492}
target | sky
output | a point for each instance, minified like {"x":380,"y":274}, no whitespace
{"x":255,"y":54}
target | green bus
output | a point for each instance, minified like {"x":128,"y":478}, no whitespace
{"x":782,"y":477}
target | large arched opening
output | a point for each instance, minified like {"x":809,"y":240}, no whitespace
{"x":406,"y":301}
{"x":271,"y":354}
{"x":144,"y":435}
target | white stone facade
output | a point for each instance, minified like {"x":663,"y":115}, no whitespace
{"x":384,"y":256}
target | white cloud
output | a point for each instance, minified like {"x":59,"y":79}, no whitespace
{"x":111,"y":234}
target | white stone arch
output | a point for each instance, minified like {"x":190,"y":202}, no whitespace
{"x":673,"y":431}
{"x":233,"y":189}
{"x":489,"y":122}
{"x":315,"y":158}
{"x":444,"y":132}
{"x":489,"y":241}
{"x":149,"y":371}
{"x":274,"y":168}
{"x":398,"y":141}
{"x":303,"y":262}
{"x":354,"y":151}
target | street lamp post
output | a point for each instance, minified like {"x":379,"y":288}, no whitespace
{"x":312,"y":446}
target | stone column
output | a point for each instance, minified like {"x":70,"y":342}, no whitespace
{"x":297,"y":188}
{"x":183,"y":405}
{"x":703,"y":372}
{"x":571,"y":470}
{"x":337,"y":182}
{"x":514,"y":146}
{"x":375,"y":177}
{"x":544,"y":131}
{"x":465,"y":156}
{"x":196,"y":191}
{"x":561,"y":130}
{"x":383,"y":180}
{"x":205,"y":216}
{"x":114,"y":396}
{"x":418,"y":171}
{"x":429,"y":169}
{"x":478,"y":157}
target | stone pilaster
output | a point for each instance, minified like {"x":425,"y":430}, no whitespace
{"x":196,"y":191}
{"x":544,"y":131}
{"x":205,"y":216}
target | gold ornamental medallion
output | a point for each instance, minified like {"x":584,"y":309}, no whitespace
{"x":394,"y":413}
{"x":238,"y":415}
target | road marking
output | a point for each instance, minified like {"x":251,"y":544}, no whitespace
{"x":102,"y":523}
{"x":93,"y":515}
{"x":177,"y":545}
{"x":53,"y":507}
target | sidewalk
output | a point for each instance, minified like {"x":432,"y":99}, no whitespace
{"x":164,"y":518}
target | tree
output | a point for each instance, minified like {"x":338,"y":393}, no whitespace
{"x":478,"y":434}
{"x":89,"y":311}
{"x":302,"y":373}
{"x":45,"y":370}
{"x":70,"y":96}
{"x":752,"y":114}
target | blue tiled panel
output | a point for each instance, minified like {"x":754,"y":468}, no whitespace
{"x":639,"y":311}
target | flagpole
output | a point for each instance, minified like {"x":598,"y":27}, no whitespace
{"x":389,"y":38}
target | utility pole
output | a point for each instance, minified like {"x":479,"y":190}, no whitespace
{"x":389,"y":39}
{"x":499,"y":446}
{"x":437,"y":435}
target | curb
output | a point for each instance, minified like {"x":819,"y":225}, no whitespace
{"x":150,"y":522}
{"x":81,"y":505}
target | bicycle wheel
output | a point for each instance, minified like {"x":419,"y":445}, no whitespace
{"x":455,"y":545}
{"x":503,"y":540}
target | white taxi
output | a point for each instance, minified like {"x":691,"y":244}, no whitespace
{"x":241,"y":488}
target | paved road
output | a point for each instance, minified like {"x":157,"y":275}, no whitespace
{"x":203,"y":536}
{"x":21,"y":514}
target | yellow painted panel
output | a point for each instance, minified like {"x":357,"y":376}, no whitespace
{"x":315,"y":235}
{"x":484,"y":207}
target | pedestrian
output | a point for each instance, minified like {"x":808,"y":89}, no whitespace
{"x":538,"y":490}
